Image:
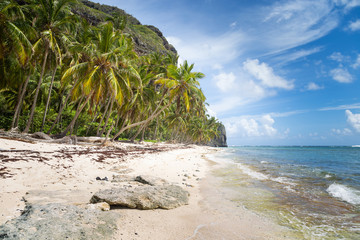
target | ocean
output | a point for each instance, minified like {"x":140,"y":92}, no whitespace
{"x":314,"y":191}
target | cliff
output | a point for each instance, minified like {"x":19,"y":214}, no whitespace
{"x":220,"y":140}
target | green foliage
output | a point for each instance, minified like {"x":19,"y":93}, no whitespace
{"x":102,"y":83}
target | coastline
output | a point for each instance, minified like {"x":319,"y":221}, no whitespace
{"x":49,"y":172}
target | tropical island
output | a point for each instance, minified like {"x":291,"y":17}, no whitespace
{"x":85,"y":69}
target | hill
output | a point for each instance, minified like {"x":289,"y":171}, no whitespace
{"x":147,"y":38}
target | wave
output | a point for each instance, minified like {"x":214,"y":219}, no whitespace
{"x":261,"y":176}
{"x":252,"y":173}
{"x":344,"y":193}
{"x":355,"y":146}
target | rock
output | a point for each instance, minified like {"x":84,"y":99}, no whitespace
{"x":144,"y":197}
{"x":103,"y":206}
{"x":66,"y":140}
{"x":150,"y":180}
{"x":41,"y":135}
{"x":219,"y":141}
{"x":57,"y":221}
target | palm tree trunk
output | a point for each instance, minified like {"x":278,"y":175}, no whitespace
{"x":48,"y":99}
{"x":72,"y":123}
{"x":93,"y":120}
{"x":156,"y":129}
{"x":108,"y":115}
{"x":132,"y":139}
{"x":154,"y":115}
{"x":77,"y":109}
{"x":15,"y":120}
{"x":143,"y":133}
{"x":63,"y":104}
{"x":27,"y":128}
{"x":102,"y":118}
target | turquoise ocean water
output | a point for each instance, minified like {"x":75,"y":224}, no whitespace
{"x":315,"y":191}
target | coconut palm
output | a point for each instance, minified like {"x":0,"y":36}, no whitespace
{"x":178,"y":82}
{"x":51,"y":20}
{"x":106,"y":71}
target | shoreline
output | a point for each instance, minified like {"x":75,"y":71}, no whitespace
{"x":48,"y":172}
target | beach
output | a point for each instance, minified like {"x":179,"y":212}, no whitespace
{"x":41,"y":173}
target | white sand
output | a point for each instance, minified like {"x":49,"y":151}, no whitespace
{"x":65,"y":179}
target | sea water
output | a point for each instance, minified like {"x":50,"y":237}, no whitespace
{"x":315,"y":191}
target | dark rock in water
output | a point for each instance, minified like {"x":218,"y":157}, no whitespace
{"x":41,"y":135}
{"x":219,"y":141}
{"x":144,"y":197}
{"x":57,"y":221}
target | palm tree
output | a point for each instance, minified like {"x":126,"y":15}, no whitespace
{"x":179,"y":82}
{"x":107,"y":69}
{"x":51,"y":19}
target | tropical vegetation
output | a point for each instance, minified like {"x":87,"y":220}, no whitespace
{"x":62,"y":74}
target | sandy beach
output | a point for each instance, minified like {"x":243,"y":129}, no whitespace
{"x":39,"y":172}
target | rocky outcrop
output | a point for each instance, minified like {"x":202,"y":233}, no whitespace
{"x":57,"y":221}
{"x":220,"y":140}
{"x":151,"y":194}
{"x":165,"y":42}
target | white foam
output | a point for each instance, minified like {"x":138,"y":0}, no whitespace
{"x":264,"y":162}
{"x":252,"y":173}
{"x":345,"y":193}
{"x":284,"y":180}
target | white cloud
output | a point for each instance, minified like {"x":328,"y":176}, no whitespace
{"x":347,"y":4}
{"x":209,"y":51}
{"x":338,"y":57}
{"x":295,"y":23}
{"x":292,"y":56}
{"x":353,"y":120}
{"x":345,"y":131}
{"x":313,"y":87}
{"x":342,"y":107}
{"x":357,"y":62}
{"x":266,"y":75}
{"x":341,"y":75}
{"x":233,"y":24}
{"x":225,"y":82}
{"x":355,"y":26}
{"x":247,"y":126}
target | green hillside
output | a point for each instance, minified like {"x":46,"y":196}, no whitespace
{"x":147,"y":39}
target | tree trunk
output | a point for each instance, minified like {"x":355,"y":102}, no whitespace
{"x":154,"y":115}
{"x":93,"y":120}
{"x":61,"y":109}
{"x":143,"y":133}
{"x":48,"y":99}
{"x":102,"y":118}
{"x":27,"y":128}
{"x":156,"y":129}
{"x":108,"y":115}
{"x":132,"y":139}
{"x":72,"y":123}
{"x":77,"y":110}
{"x":15,"y":120}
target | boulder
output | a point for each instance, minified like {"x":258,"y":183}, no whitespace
{"x":41,"y":135}
{"x":144,"y":197}
{"x":58,"y":221}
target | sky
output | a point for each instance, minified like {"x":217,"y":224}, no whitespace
{"x":277,"y":72}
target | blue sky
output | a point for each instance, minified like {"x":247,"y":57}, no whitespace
{"x":277,"y":72}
